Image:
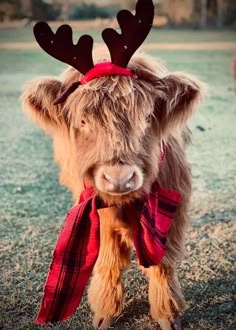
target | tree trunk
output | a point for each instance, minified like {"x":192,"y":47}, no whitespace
{"x":203,"y":14}
{"x":26,"y":8}
{"x":220,"y":13}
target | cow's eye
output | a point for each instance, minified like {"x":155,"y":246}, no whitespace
{"x":84,"y":127}
{"x":148,"y":118}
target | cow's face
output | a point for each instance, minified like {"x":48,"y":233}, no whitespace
{"x":117,"y":140}
{"x":117,"y":126}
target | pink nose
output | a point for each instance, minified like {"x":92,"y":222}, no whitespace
{"x":118,"y":179}
{"x":120,"y":184}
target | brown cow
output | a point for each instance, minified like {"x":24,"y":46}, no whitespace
{"x":110,"y":133}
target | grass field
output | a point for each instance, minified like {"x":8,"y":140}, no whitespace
{"x":33,"y":204}
{"x":185,"y":36}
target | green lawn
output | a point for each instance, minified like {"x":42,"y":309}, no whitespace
{"x":33,"y":204}
{"x":157,"y":35}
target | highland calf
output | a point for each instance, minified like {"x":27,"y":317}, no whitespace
{"x":120,"y":135}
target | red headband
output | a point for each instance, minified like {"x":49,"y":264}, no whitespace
{"x":99,"y":70}
{"x":105,"y":69}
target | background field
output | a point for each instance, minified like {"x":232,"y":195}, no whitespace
{"x":33,"y":204}
{"x":25,"y":34}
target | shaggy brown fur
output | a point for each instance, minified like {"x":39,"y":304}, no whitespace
{"x":113,"y":120}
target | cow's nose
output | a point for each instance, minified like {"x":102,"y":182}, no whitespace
{"x":118,"y":179}
{"x":121,"y":184}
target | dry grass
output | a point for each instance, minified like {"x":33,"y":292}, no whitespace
{"x":206,"y":276}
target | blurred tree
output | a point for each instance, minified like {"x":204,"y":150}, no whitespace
{"x":26,"y":8}
{"x":179,"y":12}
{"x":220,"y":13}
{"x":203,"y":14}
{"x":85,"y":12}
{"x":197,"y":13}
{"x":65,"y":7}
{"x":230,"y":13}
{"x":44,"y":10}
{"x":9,"y":9}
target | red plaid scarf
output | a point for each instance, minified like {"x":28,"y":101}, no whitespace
{"x":77,"y":247}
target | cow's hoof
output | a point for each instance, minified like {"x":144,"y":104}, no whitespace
{"x":177,"y":325}
{"x":102,"y":323}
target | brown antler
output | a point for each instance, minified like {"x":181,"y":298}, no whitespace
{"x":134,"y":30}
{"x":60,"y":46}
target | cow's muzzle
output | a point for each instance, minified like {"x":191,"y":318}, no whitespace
{"x":118,"y":179}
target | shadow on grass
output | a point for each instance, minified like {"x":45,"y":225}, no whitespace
{"x":211,"y":306}
{"x":133,"y":312}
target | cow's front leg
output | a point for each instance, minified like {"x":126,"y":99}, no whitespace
{"x":165,"y":296}
{"x":105,"y":293}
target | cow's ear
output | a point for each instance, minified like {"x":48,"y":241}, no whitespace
{"x":177,"y":97}
{"x":38,"y":99}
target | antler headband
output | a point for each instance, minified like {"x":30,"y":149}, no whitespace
{"x":134,"y":30}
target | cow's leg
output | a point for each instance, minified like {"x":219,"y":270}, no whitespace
{"x":165,"y":297}
{"x":105,"y":293}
